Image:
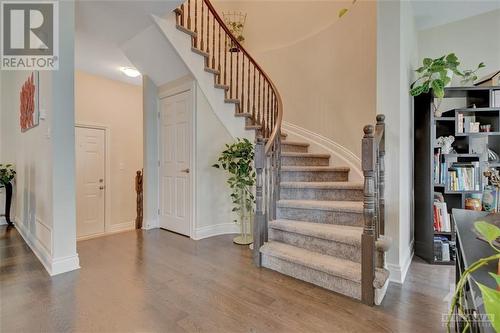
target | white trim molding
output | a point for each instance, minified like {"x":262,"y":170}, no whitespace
{"x":52,"y":265}
{"x":397,"y":273}
{"x":319,"y":143}
{"x":215,"y":230}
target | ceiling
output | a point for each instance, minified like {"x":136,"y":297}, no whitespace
{"x":430,"y":14}
{"x":102,"y":27}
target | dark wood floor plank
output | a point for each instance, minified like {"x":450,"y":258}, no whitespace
{"x":157,"y":281}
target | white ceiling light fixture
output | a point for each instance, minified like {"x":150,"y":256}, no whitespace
{"x":130,"y":72}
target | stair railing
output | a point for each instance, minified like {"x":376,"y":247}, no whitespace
{"x":373,"y":155}
{"x":256,"y":97}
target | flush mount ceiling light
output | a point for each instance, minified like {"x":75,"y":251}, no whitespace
{"x":130,"y":72}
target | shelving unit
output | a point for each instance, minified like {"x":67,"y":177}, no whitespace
{"x":471,"y":148}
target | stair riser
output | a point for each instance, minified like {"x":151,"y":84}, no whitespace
{"x":314,"y":176}
{"x":333,"y":248}
{"x":293,"y":149}
{"x":321,"y":194}
{"x":304,"y":161}
{"x":322,"y":279}
{"x":321,"y":216}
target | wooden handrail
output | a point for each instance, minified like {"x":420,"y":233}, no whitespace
{"x":255,"y":96}
{"x":271,"y":134}
{"x":279,"y":116}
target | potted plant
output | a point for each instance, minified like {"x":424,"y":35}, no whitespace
{"x":237,"y":160}
{"x":435,"y":74}
{"x":491,"y":297}
{"x":7,"y":174}
{"x":469,"y":75}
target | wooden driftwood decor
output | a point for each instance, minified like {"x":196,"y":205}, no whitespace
{"x":139,"y":190}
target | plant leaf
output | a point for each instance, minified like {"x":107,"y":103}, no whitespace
{"x":491,"y":299}
{"x":438,"y":88}
{"x":427,"y":62}
{"x":342,"y":12}
{"x":487,"y":230}
{"x":496,"y":277}
{"x":417,"y":90}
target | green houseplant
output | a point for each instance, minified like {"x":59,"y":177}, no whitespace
{"x":237,"y":160}
{"x":7,"y":174}
{"x":469,"y":75}
{"x":436,"y":74}
{"x":491,"y":297}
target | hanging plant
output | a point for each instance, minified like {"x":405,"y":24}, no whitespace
{"x":237,"y":160}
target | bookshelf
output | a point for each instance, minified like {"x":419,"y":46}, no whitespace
{"x":458,"y":175}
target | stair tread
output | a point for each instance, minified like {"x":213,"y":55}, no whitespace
{"x":346,"y":269}
{"x":344,"y":206}
{"x":339,"y":233}
{"x":314,"y":168}
{"x":295,"y":143}
{"x":324,"y":185}
{"x":298,"y":154}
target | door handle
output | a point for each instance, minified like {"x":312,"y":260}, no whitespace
{"x":185,"y":170}
{"x":101,"y":187}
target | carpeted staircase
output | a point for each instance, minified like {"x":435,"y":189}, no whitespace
{"x":317,"y":234}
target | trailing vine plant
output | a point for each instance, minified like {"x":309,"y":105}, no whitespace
{"x":237,"y":160}
{"x":491,"y":297}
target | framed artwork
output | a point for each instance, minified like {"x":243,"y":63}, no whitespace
{"x":29,"y":113}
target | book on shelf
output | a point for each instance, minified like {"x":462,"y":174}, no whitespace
{"x":443,"y":249}
{"x":442,"y":220}
{"x":439,"y":167}
{"x":496,"y":98}
{"x":460,"y":123}
{"x":464,"y":177}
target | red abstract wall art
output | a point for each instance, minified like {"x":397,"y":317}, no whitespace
{"x":28,"y":111}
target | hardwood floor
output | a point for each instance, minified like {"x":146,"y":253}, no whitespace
{"x":157,"y":281}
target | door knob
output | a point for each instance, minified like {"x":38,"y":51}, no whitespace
{"x":185,"y":170}
{"x":101,"y":187}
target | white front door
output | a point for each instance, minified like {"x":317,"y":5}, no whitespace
{"x":175,"y":163}
{"x":90,"y":189}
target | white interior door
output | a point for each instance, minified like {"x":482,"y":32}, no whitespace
{"x":90,"y":189}
{"x":175,"y":163}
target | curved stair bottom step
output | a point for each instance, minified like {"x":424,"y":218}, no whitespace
{"x":322,"y":279}
{"x":329,"y":272}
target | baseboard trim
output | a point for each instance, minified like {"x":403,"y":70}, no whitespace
{"x":53,"y":266}
{"x":215,"y":230}
{"x":65,"y":264}
{"x":397,"y":272}
{"x":124,"y":226}
{"x":325,"y":144}
{"x":380,"y":293}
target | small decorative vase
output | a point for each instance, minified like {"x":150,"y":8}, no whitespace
{"x":473,"y":204}
{"x":489,"y":199}
{"x":245,"y":237}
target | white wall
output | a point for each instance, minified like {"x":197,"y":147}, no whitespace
{"x":117,"y":106}
{"x":474,"y":40}
{"x":213,"y":202}
{"x":323,"y":67}
{"x":396,"y":59}
{"x":44,"y":198}
{"x":151,"y":155}
{"x":212,"y":205}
